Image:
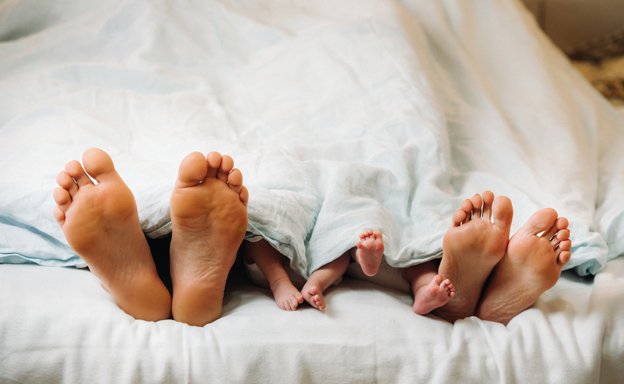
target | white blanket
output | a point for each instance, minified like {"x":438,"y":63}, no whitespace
{"x":66,"y":328}
{"x":342,"y":117}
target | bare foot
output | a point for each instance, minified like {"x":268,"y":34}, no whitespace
{"x":472,"y":246}
{"x":209,"y":221}
{"x":369,"y":251}
{"x":434,"y":295}
{"x":286,"y":295}
{"x":314,"y":296}
{"x":101,"y":224}
{"x":531,"y":266}
{"x":322,"y":278}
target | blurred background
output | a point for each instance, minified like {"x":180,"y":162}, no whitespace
{"x":591,"y":33}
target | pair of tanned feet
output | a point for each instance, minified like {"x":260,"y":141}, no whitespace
{"x":493,"y":277}
{"x":209,"y":221}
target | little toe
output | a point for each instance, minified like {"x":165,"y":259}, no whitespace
{"x":225,"y":168}
{"x":244,"y":195}
{"x":477,"y":203}
{"x":66,"y":182}
{"x":213,"y":160}
{"x":75,"y":170}
{"x":502,"y":209}
{"x":235,"y":180}
{"x":59,"y":215}
{"x":192,"y":170}
{"x":488,"y":200}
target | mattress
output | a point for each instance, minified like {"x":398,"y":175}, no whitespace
{"x":59,"y":325}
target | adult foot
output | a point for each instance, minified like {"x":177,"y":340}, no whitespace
{"x":313,"y":295}
{"x":369,"y":251}
{"x":472,"y":246}
{"x":531,"y":266}
{"x":101,"y":224}
{"x":434,"y":295}
{"x":286,"y":295}
{"x":209,"y":221}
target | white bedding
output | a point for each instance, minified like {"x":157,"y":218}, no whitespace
{"x":342,"y":117}
{"x":70,"y":330}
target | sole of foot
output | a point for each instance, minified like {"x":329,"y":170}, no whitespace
{"x":101,"y":224}
{"x":532,"y":265}
{"x":434,"y":295}
{"x":473,"y":245}
{"x":369,"y":251}
{"x":209,"y":221}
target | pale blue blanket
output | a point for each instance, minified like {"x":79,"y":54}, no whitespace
{"x":342,"y":116}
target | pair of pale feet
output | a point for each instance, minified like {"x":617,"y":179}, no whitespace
{"x":209,"y":221}
{"x":482,"y":270}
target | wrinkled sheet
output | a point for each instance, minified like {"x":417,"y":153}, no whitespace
{"x":66,"y":328}
{"x":342,"y":117}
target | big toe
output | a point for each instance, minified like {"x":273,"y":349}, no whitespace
{"x":192,"y":170}
{"x":99,"y":165}
{"x":540,"y":221}
{"x":503,"y":213}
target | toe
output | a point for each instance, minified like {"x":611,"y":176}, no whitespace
{"x":560,"y":236}
{"x":488,"y":199}
{"x":99,"y":165}
{"x":213,"y":161}
{"x":467,"y":208}
{"x":299,"y":297}
{"x":541,"y":221}
{"x":66,"y":182}
{"x":459,"y":217}
{"x":74,"y":169}
{"x":224,"y":169}
{"x":244,"y":196}
{"x":437,"y":280}
{"x":477,"y":203}
{"x":235,"y":180}
{"x":377,"y":235}
{"x":61,"y":198}
{"x":503,"y":213}
{"x":563,"y":258}
{"x":560,"y":223}
{"x":59,"y":215}
{"x":192,"y":170}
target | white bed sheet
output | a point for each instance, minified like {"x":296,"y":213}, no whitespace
{"x":59,"y":325}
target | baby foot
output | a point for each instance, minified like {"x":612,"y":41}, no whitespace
{"x":472,"y":246}
{"x":314,"y":296}
{"x":369,"y":251}
{"x":209,"y":221}
{"x":531,"y":266}
{"x":286,"y":295}
{"x":434,"y":295}
{"x":101,"y":224}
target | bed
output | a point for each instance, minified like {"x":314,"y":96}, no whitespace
{"x":342,"y":117}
